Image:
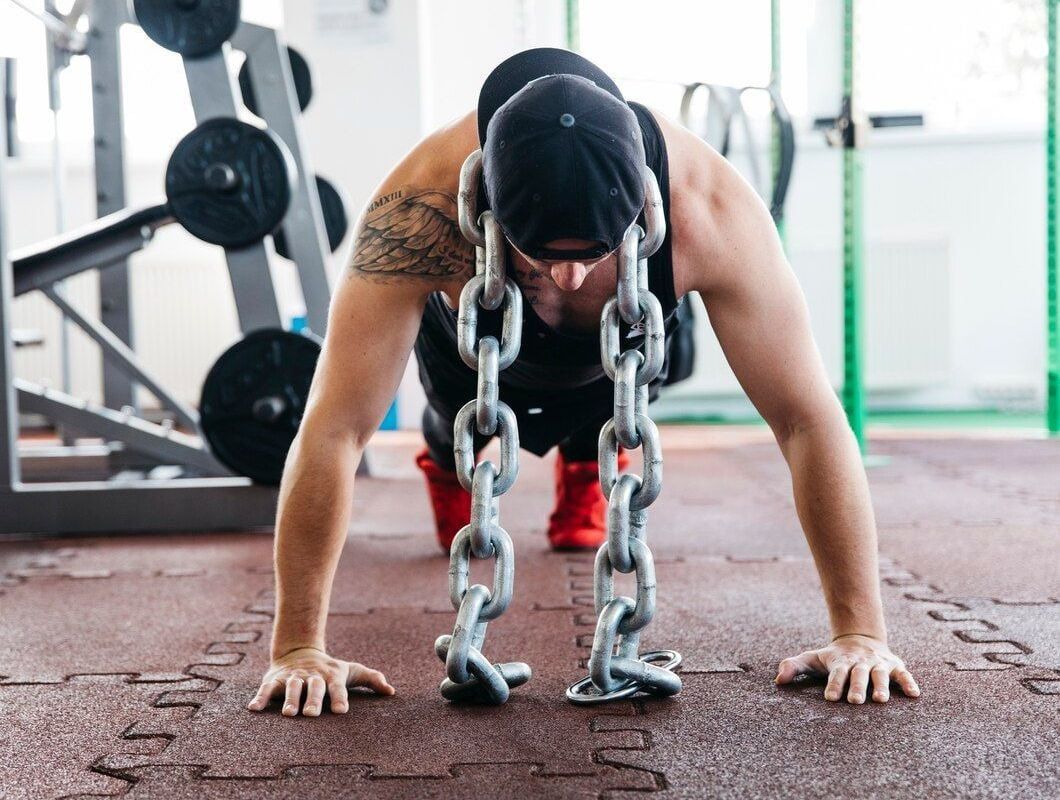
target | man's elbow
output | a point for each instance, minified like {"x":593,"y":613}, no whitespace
{"x":340,"y":437}
{"x":825,"y":418}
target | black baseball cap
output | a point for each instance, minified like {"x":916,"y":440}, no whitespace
{"x":562,"y":153}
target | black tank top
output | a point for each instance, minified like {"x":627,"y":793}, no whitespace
{"x":558,"y":383}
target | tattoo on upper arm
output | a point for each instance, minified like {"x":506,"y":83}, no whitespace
{"x":412,"y":232}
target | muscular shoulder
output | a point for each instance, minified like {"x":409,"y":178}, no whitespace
{"x":719,"y":222}
{"x":408,"y":230}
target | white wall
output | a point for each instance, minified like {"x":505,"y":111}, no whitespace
{"x":468,"y":38}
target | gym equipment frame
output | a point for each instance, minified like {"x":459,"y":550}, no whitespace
{"x":214,"y":502}
{"x":210,"y":498}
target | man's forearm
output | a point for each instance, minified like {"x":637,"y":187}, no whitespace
{"x":835,"y":509}
{"x":312,"y":520}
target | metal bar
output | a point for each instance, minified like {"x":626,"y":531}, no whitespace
{"x":213,"y":94}
{"x":59,"y":30}
{"x":139,"y":435}
{"x":104,"y":52}
{"x":111,"y":251}
{"x":58,"y":60}
{"x":10,"y":100}
{"x":1052,"y":283}
{"x":178,"y":504}
{"x":775,"y":83}
{"x":256,"y":305}
{"x":115,"y":349}
{"x":277,"y":101}
{"x":9,"y":466}
{"x":853,"y":244}
{"x":573,"y":27}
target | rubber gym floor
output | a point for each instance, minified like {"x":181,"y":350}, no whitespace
{"x":126,"y":662}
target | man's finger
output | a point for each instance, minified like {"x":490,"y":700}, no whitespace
{"x":859,"y":684}
{"x":837,"y":679}
{"x":881,"y":682}
{"x":803,"y":664}
{"x":266,"y":692}
{"x":293,"y":698}
{"x":905,"y":679}
{"x":314,"y":700}
{"x":372,"y":678}
{"x":340,"y":699}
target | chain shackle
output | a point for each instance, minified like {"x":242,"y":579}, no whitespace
{"x":650,"y":485}
{"x":626,"y":399}
{"x":624,"y":523}
{"x":494,"y":262}
{"x":470,"y":676}
{"x":484,"y":511}
{"x":627,"y":277}
{"x":468,"y":627}
{"x":650,"y":312}
{"x":604,"y":585}
{"x":489,"y":386}
{"x":490,"y":683}
{"x":464,"y":446}
{"x":467,"y":322}
{"x":654,"y":216}
{"x":467,"y":200}
{"x":497,"y":601}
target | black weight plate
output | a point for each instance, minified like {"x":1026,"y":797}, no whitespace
{"x":192,"y":28}
{"x":261,"y":173}
{"x":268,"y":367}
{"x":336,"y":223}
{"x":303,"y":81}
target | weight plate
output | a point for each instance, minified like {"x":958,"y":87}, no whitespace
{"x":336,"y":223}
{"x":253,"y":400}
{"x":303,"y":81}
{"x":229,"y":183}
{"x":192,"y":28}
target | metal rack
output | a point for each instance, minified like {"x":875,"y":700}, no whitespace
{"x":159,"y":478}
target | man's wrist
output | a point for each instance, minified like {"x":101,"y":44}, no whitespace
{"x":881,"y":638}
{"x":281,"y":648}
{"x":858,"y":614}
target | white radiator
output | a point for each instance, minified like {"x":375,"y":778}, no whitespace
{"x":907,"y":319}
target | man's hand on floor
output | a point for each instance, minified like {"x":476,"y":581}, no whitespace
{"x":313,"y":672}
{"x":854,"y":658}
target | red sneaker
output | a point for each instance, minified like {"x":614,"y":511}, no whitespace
{"x":451,"y":501}
{"x":579,"y":520}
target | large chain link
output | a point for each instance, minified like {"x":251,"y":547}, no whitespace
{"x":469,"y":675}
{"x":620,"y":620}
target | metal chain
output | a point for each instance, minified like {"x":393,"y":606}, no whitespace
{"x":469,"y":674}
{"x":620,"y":620}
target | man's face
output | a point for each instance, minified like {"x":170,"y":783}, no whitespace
{"x":567,"y":275}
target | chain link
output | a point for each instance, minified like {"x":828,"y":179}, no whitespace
{"x":470,"y":677}
{"x":616,"y":668}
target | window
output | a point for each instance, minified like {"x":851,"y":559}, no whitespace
{"x":967,"y":64}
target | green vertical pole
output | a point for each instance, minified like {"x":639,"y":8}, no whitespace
{"x":573,"y":13}
{"x":1052,"y":152}
{"x":853,"y":243}
{"x":774,"y":80}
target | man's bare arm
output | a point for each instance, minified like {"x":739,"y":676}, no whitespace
{"x":759,"y":314}
{"x":407,"y":245}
